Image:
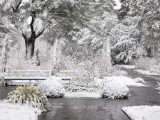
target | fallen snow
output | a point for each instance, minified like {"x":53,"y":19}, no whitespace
{"x":122,"y":81}
{"x":146,"y":72}
{"x":127,"y":66}
{"x":119,"y":73}
{"x":83,"y":94}
{"x":143,"y":112}
{"x":18,"y":112}
{"x":52,"y":87}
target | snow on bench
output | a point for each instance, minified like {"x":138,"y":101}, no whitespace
{"x":20,"y":77}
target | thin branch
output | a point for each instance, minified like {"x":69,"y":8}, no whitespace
{"x":24,"y":36}
{"x":16,"y":7}
{"x":32,"y":23}
{"x":40,"y":33}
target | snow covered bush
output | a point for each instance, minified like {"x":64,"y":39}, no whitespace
{"x":52,"y":88}
{"x":145,"y":63}
{"x":115,"y":91}
{"x":116,"y":86}
{"x":29,"y":95}
{"x":79,"y":85}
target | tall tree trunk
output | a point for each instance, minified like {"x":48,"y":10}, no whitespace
{"x":30,"y":44}
{"x":106,"y":57}
{"x":55,"y":51}
{"x":3,"y":54}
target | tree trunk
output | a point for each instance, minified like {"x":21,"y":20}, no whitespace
{"x":55,"y":52}
{"x":3,"y":54}
{"x":106,"y":58}
{"x":30,"y":44}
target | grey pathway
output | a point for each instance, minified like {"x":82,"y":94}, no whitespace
{"x":100,"y":109}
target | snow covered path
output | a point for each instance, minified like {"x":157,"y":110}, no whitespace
{"x":101,"y":109}
{"x":143,"y":112}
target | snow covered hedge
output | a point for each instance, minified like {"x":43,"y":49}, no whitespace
{"x":52,"y":88}
{"x":10,"y":111}
{"x":115,"y":91}
{"x":29,"y":95}
{"x":116,"y":86}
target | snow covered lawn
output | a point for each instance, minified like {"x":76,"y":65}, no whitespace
{"x":18,"y":112}
{"x":143,"y":112}
{"x":83,"y":94}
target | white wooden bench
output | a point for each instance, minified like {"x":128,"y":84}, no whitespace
{"x":21,"y":77}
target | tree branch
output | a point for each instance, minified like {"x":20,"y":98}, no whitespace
{"x":32,"y":22}
{"x":40,"y":33}
{"x":24,"y":36}
{"x":16,"y":7}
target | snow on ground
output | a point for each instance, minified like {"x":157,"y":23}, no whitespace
{"x":127,"y":66}
{"x":143,"y":112}
{"x":122,"y":80}
{"x":18,"y":112}
{"x":146,"y":72}
{"x":119,"y":73}
{"x":83,"y":94}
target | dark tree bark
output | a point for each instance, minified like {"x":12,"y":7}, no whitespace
{"x":30,"y":44}
{"x":30,"y":41}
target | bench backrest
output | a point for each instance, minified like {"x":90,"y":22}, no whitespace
{"x":29,"y":74}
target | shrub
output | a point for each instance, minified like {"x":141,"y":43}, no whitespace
{"x":52,"y":88}
{"x":115,"y":91}
{"x":29,"y":95}
{"x":145,"y":63}
{"x":79,"y":85}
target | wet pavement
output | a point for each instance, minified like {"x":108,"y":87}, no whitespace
{"x":100,"y":109}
